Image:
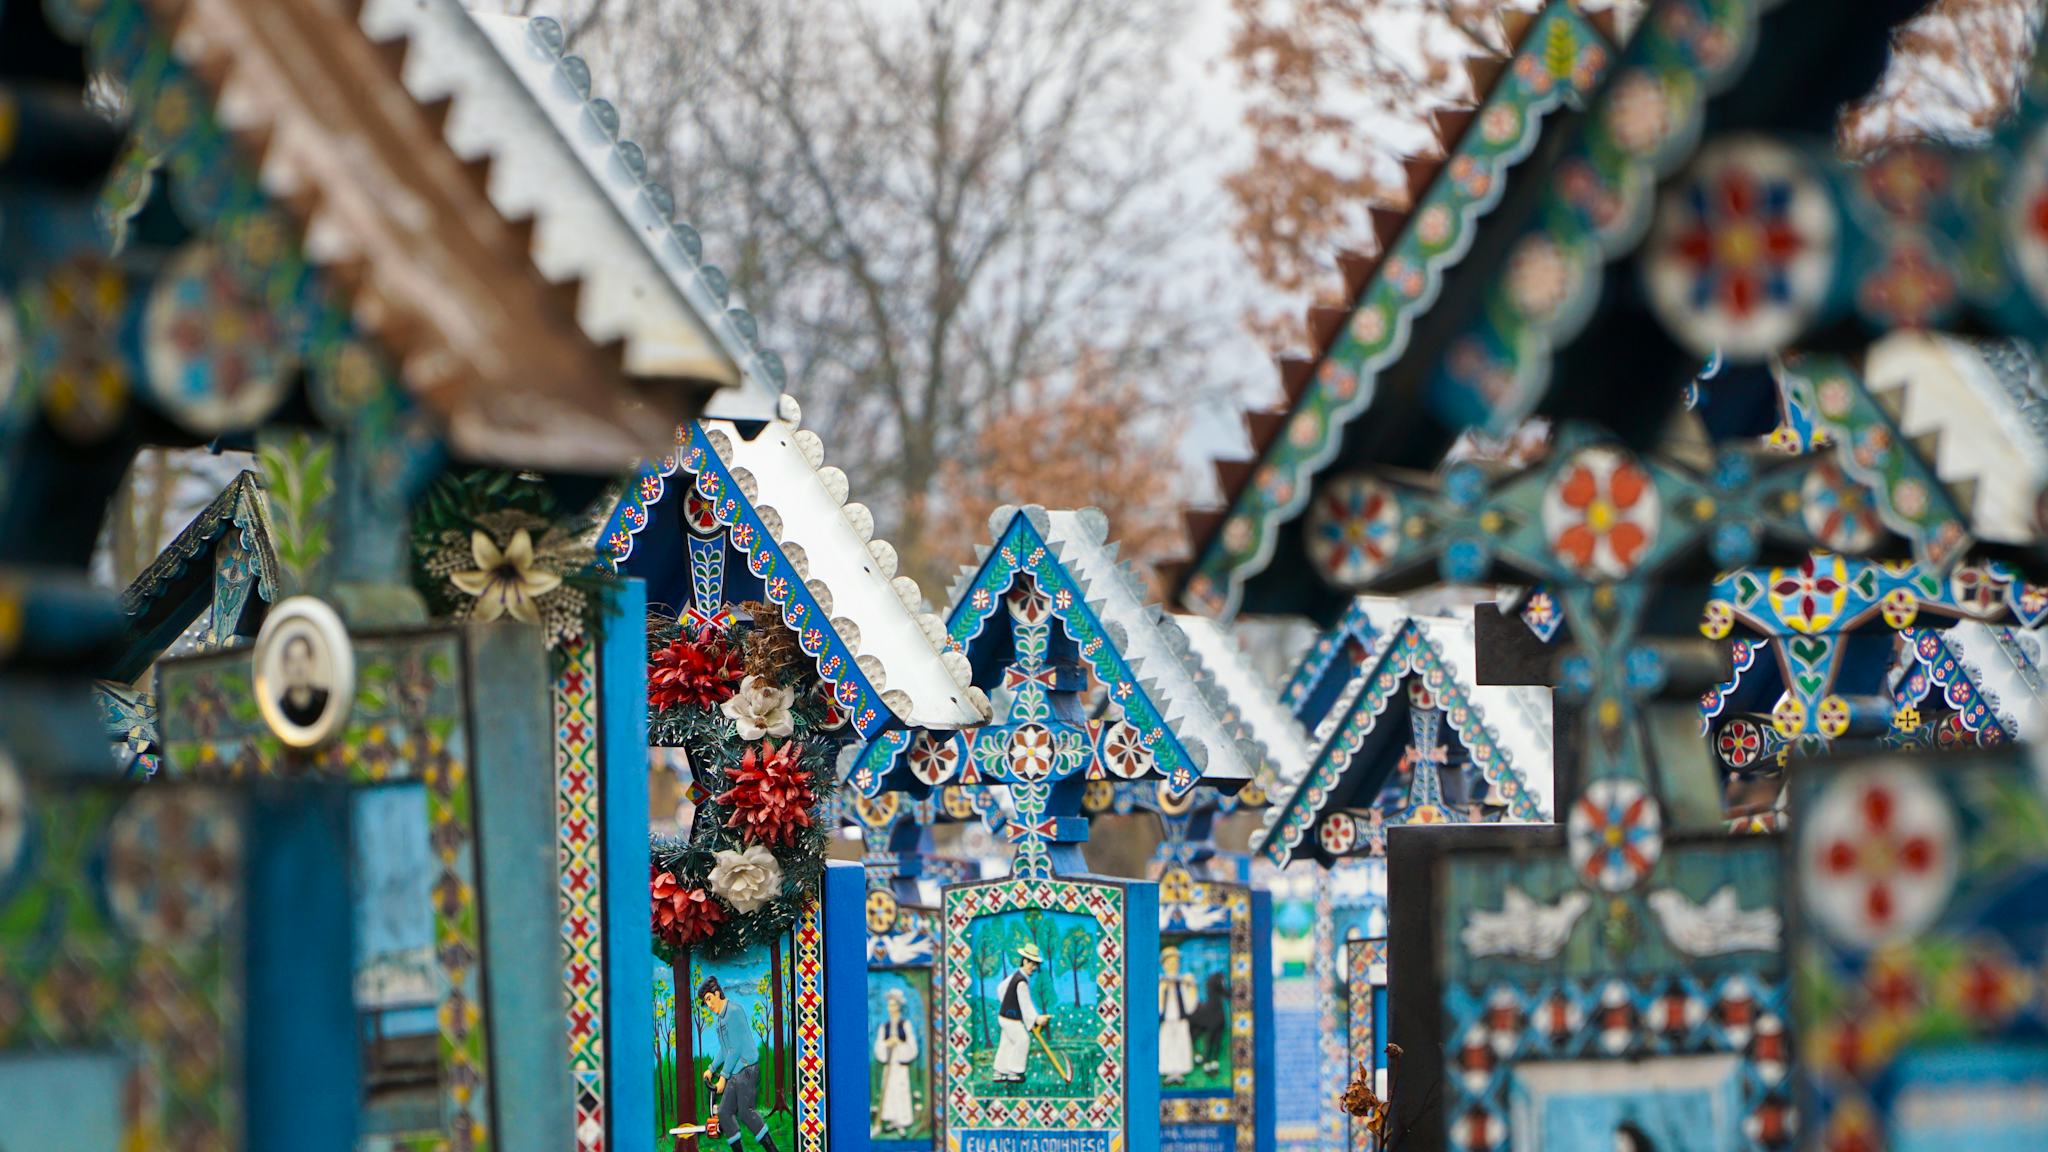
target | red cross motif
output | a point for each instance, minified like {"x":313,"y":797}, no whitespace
{"x":1015,"y":678}
{"x":1878,"y":856}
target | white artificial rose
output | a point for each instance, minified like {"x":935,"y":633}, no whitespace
{"x":745,"y":879}
{"x":760,"y":709}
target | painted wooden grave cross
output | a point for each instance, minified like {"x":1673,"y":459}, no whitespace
{"x":1091,"y":686}
{"x":1692,"y":922}
{"x":1048,"y":616}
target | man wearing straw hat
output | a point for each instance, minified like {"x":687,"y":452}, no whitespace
{"x":1017,"y":1017}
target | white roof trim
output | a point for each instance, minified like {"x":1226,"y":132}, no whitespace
{"x":1080,"y":539}
{"x":829,"y":542}
{"x":1281,"y":740}
{"x":1986,"y":432}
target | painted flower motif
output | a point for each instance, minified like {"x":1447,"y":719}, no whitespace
{"x":1838,"y":512}
{"x":683,"y":916}
{"x":695,"y":671}
{"x":1539,"y":278}
{"x":933,"y":757}
{"x":1601,"y":513}
{"x":1353,"y":529}
{"x":745,"y":879}
{"x":1615,"y":833}
{"x":1743,"y":251}
{"x":1810,"y":597}
{"x":1742,"y":242}
{"x":1031,"y":753}
{"x":1911,"y":288}
{"x":770,"y":794}
{"x":1638,"y":114}
{"x":1124,"y":751}
{"x":1879,"y":856}
{"x":504,"y":582}
{"x":760,"y":709}
{"x":1740,"y":743}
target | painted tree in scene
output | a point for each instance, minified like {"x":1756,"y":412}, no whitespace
{"x":1077,"y":953}
{"x":1099,"y":442}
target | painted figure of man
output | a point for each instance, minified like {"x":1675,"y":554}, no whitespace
{"x":895,"y":1050}
{"x":1017,"y":1017}
{"x":735,"y":1072}
{"x":1176,"y":1000}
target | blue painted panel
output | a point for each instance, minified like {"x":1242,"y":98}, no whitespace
{"x":628,"y":933}
{"x":1986,"y":1098}
{"x":512,"y":730}
{"x":76,"y":1101}
{"x":846,"y":1021}
{"x":299,"y":1051}
{"x":1141,"y":944}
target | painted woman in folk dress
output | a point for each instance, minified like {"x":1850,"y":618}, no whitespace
{"x":896,"y":1050}
{"x":1176,"y":999}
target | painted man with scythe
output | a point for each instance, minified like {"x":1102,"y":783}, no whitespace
{"x":1018,"y":1021}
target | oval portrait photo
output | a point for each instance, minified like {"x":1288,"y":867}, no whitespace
{"x":305,"y":671}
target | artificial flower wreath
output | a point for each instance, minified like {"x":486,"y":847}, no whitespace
{"x":493,"y":545}
{"x":743,"y":702}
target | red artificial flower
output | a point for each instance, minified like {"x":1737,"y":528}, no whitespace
{"x":770,"y":794}
{"x":683,"y":916}
{"x":701,"y":670}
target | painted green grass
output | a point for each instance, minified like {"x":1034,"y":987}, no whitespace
{"x":1040,"y":1079}
{"x":920,"y":1107}
{"x":781,"y":1122}
{"x":1202,"y":1081}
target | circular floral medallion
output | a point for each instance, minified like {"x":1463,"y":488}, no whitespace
{"x":1031,"y":753}
{"x":1877,"y":856}
{"x":173,"y":865}
{"x":1832,"y":717}
{"x":13,"y":815}
{"x":1338,"y":833}
{"x":2027,"y":218}
{"x":933,"y":757}
{"x":1098,"y":797}
{"x":1899,"y":607}
{"x":1539,"y":278}
{"x":699,"y":513}
{"x":1353,"y":530}
{"x":1027,"y":604}
{"x":1740,"y":743}
{"x":215,"y":361}
{"x":1980,"y":590}
{"x":877,"y":811}
{"x":881,"y":911}
{"x":1789,"y":716}
{"x":1124,"y":752}
{"x":1742,"y":249}
{"x":1601,"y":513}
{"x":1838,"y":511}
{"x":1616,"y":833}
{"x":957,"y":803}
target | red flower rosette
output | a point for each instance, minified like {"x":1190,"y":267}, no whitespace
{"x":701,"y":670}
{"x":683,"y":916}
{"x":770,"y":794}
